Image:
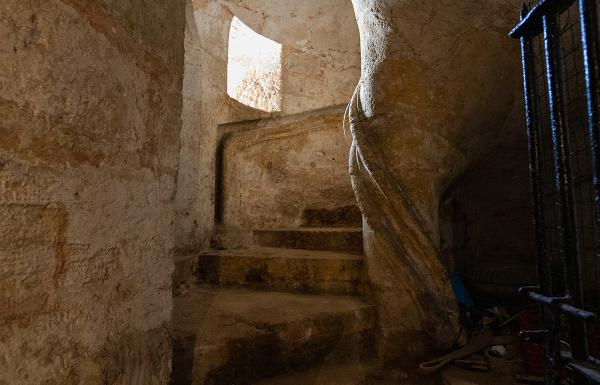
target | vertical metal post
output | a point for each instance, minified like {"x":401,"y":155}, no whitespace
{"x":561,"y":152}
{"x":565,"y":297}
{"x":588,"y":15}
{"x":535,"y":160}
{"x":552,"y":344}
{"x":591,"y":60}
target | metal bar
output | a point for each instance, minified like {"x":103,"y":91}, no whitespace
{"x":588,"y":371}
{"x":560,"y":150}
{"x":577,"y":312}
{"x":590,"y":46}
{"x":562,"y":304}
{"x":535,"y":163}
{"x":546,"y":300}
{"x":545,"y":18}
{"x":560,"y":144}
{"x":588,"y":15}
{"x":531,"y":23}
{"x":550,"y":322}
{"x":561,"y":173}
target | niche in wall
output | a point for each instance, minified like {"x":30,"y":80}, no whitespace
{"x":253,"y":68}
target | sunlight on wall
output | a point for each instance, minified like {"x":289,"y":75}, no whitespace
{"x":253,"y":68}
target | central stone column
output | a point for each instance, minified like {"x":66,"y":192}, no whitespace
{"x":438,"y":87}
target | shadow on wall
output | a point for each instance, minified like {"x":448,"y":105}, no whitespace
{"x":485,"y":225}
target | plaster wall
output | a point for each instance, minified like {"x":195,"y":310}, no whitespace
{"x":89,"y":134}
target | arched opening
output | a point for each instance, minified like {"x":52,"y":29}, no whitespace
{"x":253,"y":68}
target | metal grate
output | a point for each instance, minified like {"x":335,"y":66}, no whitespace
{"x":560,"y":47}
{"x":574,"y":86}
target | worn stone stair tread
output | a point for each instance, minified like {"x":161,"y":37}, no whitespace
{"x":277,"y":269}
{"x":234,"y":335}
{"x":341,"y":374}
{"x":349,"y":215}
{"x":281,"y":269}
{"x":338,"y":239}
{"x":370,"y":372}
{"x":316,"y":229}
{"x":204,"y":306}
{"x":281,"y":252}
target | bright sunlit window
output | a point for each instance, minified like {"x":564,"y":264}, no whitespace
{"x":253,"y":68}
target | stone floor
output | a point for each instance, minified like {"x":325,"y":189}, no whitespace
{"x":370,"y":373}
{"x":243,"y":335}
{"x":286,"y":310}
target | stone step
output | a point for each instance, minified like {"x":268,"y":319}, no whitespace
{"x":372,"y":372}
{"x":340,"y":374}
{"x":302,"y":271}
{"x":344,"y":216}
{"x":238,"y":336}
{"x":339,"y":239}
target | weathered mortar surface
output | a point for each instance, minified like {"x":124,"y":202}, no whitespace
{"x":89,"y":130}
{"x":321,"y":64}
{"x":275,"y":169}
{"x":438,"y":89}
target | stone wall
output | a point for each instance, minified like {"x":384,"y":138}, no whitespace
{"x":321,"y":64}
{"x":440,"y":88}
{"x":486,"y":213}
{"x":89,"y":134}
{"x":276,"y":170}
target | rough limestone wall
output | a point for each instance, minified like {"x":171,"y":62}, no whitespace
{"x":205,"y":106}
{"x":89,"y":134}
{"x":321,"y":64}
{"x":276,"y":169}
{"x":193,"y":162}
{"x":439,"y":87}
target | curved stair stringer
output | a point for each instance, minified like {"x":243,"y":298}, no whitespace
{"x":402,"y":258}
